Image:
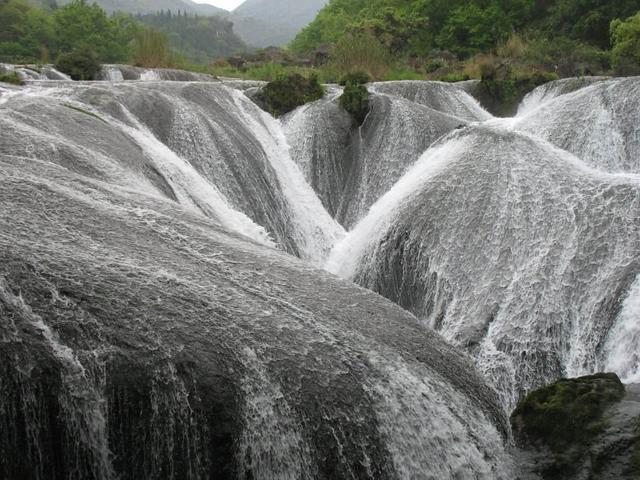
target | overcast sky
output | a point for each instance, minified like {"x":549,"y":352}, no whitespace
{"x":228,"y":4}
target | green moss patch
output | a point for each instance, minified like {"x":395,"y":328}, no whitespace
{"x":566,"y":413}
{"x":288,"y":93}
{"x":11,"y":77}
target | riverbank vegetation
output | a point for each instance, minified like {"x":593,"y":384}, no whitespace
{"x":508,"y":44}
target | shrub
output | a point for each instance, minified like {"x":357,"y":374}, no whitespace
{"x":151,"y":49}
{"x":11,"y":77}
{"x":355,"y":100}
{"x":289,"y":92}
{"x":360,"y":52}
{"x":434,"y":64}
{"x":355,"y":78}
{"x":515,"y":47}
{"x":80,"y":64}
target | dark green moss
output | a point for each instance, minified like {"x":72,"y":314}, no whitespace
{"x":289,"y":92}
{"x":81,"y":64}
{"x":566,"y":413}
{"x":11,"y":77}
{"x":565,"y":417}
{"x":355,"y":78}
{"x":355,"y":100}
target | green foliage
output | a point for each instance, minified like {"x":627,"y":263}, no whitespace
{"x":151,"y":49}
{"x":585,"y":20}
{"x":287,"y":93}
{"x":355,"y":100}
{"x":79,"y":24}
{"x":11,"y":77}
{"x":34,"y":34}
{"x":625,"y":37}
{"x":464,"y":27}
{"x":80,"y":64}
{"x":360,"y":52}
{"x":355,"y":78}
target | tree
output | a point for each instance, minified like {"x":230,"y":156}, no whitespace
{"x":625,"y":37}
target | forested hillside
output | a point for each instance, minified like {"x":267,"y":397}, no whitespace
{"x":153,"y":6}
{"x":199,"y":39}
{"x":468,"y":27}
{"x":31,"y":34}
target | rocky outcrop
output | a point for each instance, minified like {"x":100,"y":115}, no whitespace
{"x":579,"y":429}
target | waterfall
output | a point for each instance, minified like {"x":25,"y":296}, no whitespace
{"x":622,"y":352}
{"x":597,"y":123}
{"x":511,"y":248}
{"x":163,"y":311}
{"x":350,"y":168}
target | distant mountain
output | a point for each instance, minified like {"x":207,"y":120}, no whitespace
{"x":262,"y":23}
{"x":153,"y":6}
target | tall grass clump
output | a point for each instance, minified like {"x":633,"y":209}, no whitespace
{"x":361,"y":52}
{"x":151,"y":50}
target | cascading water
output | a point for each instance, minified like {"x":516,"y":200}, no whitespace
{"x":597,"y":123}
{"x":351,"y":167}
{"x":622,"y":351}
{"x":150,"y":327}
{"x":509,"y":247}
{"x":196,"y":351}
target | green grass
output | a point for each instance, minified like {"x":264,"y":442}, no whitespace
{"x":398,"y":73}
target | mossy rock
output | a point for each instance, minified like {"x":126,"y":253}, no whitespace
{"x":11,"y":77}
{"x":563,"y":420}
{"x":566,"y":413}
{"x":355,"y":100}
{"x":288,"y":93}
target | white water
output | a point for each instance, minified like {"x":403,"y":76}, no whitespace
{"x":347,"y":254}
{"x":192,"y":189}
{"x":271,"y":447}
{"x":622,"y":351}
{"x":316,"y":231}
{"x":80,"y":398}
